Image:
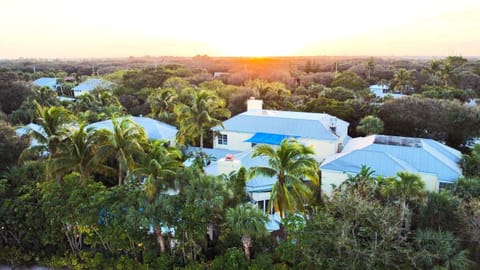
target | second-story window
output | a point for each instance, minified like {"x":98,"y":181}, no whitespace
{"x":223,"y":139}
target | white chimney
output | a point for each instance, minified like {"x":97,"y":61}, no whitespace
{"x":254,"y":104}
{"x":228,"y":164}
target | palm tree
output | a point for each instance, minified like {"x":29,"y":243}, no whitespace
{"x":402,"y":80}
{"x":199,"y":115}
{"x":434,"y":69}
{"x":406,"y":187}
{"x":363,"y":182}
{"x":291,"y":163}
{"x":247,"y":221}
{"x":370,"y":67}
{"x":53,"y":121}
{"x":446,"y":73}
{"x":125,"y":142}
{"x":159,"y":164}
{"x":78,"y":153}
{"x":161,"y":103}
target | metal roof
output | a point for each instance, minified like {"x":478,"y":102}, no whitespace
{"x":386,"y":157}
{"x":155,"y":129}
{"x":46,"y":81}
{"x":91,"y":84}
{"x":293,"y":124}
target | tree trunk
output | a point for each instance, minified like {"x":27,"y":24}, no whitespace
{"x":201,"y":140}
{"x":247,"y":243}
{"x":120,"y":174}
{"x":160,"y":239}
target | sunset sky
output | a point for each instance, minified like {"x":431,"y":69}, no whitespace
{"x":101,"y":28}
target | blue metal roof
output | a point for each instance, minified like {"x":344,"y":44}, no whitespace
{"x":426,"y":156}
{"x":268,"y":138}
{"x":45,"y":81}
{"x":155,"y":129}
{"x":91,"y":84}
{"x":291,"y":124}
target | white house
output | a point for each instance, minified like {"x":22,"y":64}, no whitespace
{"x":435,"y":163}
{"x":381,"y":90}
{"x":325,"y":133}
{"x":90,"y":85}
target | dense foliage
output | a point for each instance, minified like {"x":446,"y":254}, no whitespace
{"x":94,"y":199}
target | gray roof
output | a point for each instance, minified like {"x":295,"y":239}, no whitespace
{"x":46,"y":82}
{"x":295,"y":124}
{"x":388,"y":155}
{"x":91,"y":84}
{"x":154,"y":128}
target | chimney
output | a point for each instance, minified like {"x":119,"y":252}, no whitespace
{"x":333,"y":125}
{"x":228,"y":164}
{"x":254,"y":104}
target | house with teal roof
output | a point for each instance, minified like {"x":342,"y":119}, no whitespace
{"x":434,"y":162}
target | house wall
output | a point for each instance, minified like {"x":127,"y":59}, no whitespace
{"x":235,"y":141}
{"x":322,"y":149}
{"x":431,"y":181}
{"x":332,"y":177}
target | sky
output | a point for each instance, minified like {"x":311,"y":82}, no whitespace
{"x":122,"y":28}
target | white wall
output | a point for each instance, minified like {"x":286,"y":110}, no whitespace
{"x":322,"y":149}
{"x":332,"y":177}
{"x":431,"y":181}
{"x":235,"y":141}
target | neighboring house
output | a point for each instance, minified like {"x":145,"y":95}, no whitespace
{"x":155,"y":129}
{"x":325,"y":133}
{"x":435,"y":163}
{"x":90,"y":85}
{"x":27,"y":129}
{"x":382,"y":91}
{"x":46,"y":82}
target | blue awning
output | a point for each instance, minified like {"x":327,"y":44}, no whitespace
{"x":268,"y":138}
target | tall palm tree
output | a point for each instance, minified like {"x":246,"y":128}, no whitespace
{"x":247,"y":221}
{"x":200,"y":114}
{"x":370,"y":67}
{"x":158,"y":165}
{"x":406,"y":187}
{"x":434,"y":69}
{"x":124,"y":143}
{"x":291,"y":163}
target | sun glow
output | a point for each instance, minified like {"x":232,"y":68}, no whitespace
{"x":107,"y":28}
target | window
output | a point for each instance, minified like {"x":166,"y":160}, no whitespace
{"x":263,"y":205}
{"x":223,"y":139}
{"x":445,"y":186}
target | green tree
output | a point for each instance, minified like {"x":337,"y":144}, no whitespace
{"x":402,"y":80}
{"x":202,"y":112}
{"x":247,"y":221}
{"x":53,"y":121}
{"x":11,"y":146}
{"x":363,"y":183}
{"x":158,"y":164}
{"x":162,"y":102}
{"x":349,"y":80}
{"x":291,"y":164}
{"x":406,"y":187}
{"x":470,"y":163}
{"x":124,"y":143}
{"x":370,"y":125}
{"x":369,"y":67}
{"x":78,"y":152}
{"x":439,"y":250}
